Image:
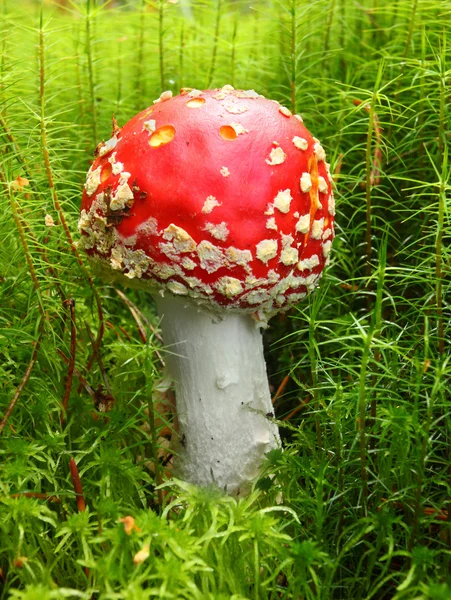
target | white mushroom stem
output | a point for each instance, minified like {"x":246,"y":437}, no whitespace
{"x":223,"y":402}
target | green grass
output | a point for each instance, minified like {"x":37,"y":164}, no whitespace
{"x":365,"y":475}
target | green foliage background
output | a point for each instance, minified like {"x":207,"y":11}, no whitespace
{"x":365,"y":475}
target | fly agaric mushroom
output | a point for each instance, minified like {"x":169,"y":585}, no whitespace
{"x":220,"y":204}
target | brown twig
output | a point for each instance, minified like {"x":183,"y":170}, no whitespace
{"x":139,"y":317}
{"x":281,"y":388}
{"x":23,"y":383}
{"x":77,"y":374}
{"x":38,"y":495}
{"x":301,"y":405}
{"x":71,"y":365}
{"x":81,"y":504}
{"x":99,"y":359}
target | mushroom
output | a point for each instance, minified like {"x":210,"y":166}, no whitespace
{"x":220,"y":204}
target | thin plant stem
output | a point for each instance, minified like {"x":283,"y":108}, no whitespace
{"x":51,"y":184}
{"x":314,"y":374}
{"x":443,"y":160}
{"x":233,"y":52}
{"x":70,"y":303}
{"x":214,"y":53}
{"x":25,"y":378}
{"x":161,"y":42}
{"x":89,"y":57}
{"x":368,"y":338}
{"x":140,"y":67}
{"x":293,"y":54}
{"x":182,"y":51}
{"x":152,"y":426}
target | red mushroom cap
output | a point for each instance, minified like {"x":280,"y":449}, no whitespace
{"x":220,"y":195}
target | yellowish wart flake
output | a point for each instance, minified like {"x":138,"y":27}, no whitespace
{"x":276,"y":157}
{"x":108,"y":146}
{"x":93,"y":180}
{"x":210,"y":256}
{"x":300,"y":142}
{"x":283,"y":200}
{"x":331,"y":206}
{"x":116,"y":258}
{"x":322,"y":185}
{"x":285,"y":111}
{"x":116,"y":167}
{"x":311,"y":281}
{"x":177,"y":288}
{"x":188,"y":264}
{"x":219,"y":231}
{"x":210,"y":203}
{"x":308,"y":263}
{"x":306,"y":182}
{"x":123,"y":195}
{"x":319,"y":151}
{"x":280,"y":299}
{"x":296,"y":297}
{"x":266,"y":250}
{"x":181,"y":239}
{"x":271,"y":223}
{"x":229,"y":286}
{"x":273,"y":276}
{"x":251,"y":94}
{"x":317,"y":228}
{"x":299,"y":118}
{"x":136,"y":261}
{"x":256,"y":297}
{"x":224,"y":172}
{"x":149,"y":227}
{"x":269,"y":210}
{"x":303,"y":224}
{"x":329,"y":176}
{"x":164,"y":270}
{"x":289,"y":256}
{"x":236,"y":109}
{"x":227,"y":88}
{"x":149,"y":126}
{"x":326,"y":248}
{"x":239,"y":129}
{"x":163,"y":97}
{"x":238,"y":257}
{"x":195,"y":93}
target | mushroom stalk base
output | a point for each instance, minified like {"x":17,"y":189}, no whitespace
{"x":222,"y":395}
